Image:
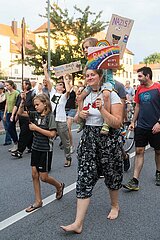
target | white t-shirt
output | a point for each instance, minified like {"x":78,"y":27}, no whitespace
{"x":95,"y":118}
{"x":60,"y":109}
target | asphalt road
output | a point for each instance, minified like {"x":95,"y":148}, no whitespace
{"x":138,"y":219}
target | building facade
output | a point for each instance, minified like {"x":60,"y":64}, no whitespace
{"x":10,"y":53}
{"x":10,"y":50}
{"x":155,"y":71}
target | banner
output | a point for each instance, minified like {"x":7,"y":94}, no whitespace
{"x":118,"y":32}
{"x":67,"y":68}
{"x":105,"y":57}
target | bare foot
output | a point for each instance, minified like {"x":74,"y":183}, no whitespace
{"x":113,"y":213}
{"x":72,"y":228}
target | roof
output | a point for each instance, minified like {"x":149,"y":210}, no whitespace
{"x":43,"y":28}
{"x":153,"y":66}
{"x":15,"y":40}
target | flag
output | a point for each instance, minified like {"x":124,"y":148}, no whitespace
{"x":23,"y":27}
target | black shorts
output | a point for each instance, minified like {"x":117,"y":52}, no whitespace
{"x":40,"y":160}
{"x":143,"y":137}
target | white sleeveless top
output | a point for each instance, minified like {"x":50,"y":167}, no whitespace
{"x":95,"y":118}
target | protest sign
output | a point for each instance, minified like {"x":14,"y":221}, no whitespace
{"x":103,"y":57}
{"x":118,"y":32}
{"x":67,"y":68}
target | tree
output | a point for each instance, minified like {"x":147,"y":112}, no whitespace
{"x":2,"y":75}
{"x":68,"y":33}
{"x":153,"y":58}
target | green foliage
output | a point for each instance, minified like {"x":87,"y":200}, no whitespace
{"x":153,"y":58}
{"x":85,"y":25}
{"x":2,"y":75}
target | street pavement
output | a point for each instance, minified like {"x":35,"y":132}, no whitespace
{"x":139,"y":214}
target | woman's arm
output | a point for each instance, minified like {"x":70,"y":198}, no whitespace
{"x":21,"y":111}
{"x":13,"y":113}
{"x":68,"y":86}
{"x":113,"y":119}
{"x":45,"y":70}
{"x":5,"y":111}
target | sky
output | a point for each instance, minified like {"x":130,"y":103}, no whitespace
{"x":144,"y":38}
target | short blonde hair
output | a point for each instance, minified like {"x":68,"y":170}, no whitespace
{"x":92,"y":41}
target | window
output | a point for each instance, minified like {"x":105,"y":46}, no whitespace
{"x":130,"y":75}
{"x":130,"y":61}
{"x":126,"y":74}
{"x":126,"y":60}
{"x":16,"y":71}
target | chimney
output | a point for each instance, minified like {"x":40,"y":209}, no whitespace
{"x":14,"y":27}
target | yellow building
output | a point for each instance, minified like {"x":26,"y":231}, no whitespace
{"x":155,"y":71}
{"x":10,"y":50}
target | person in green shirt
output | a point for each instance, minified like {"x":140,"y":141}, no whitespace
{"x":9,"y":117}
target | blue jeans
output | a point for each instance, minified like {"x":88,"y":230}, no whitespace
{"x":8,"y":139}
{"x":11,"y":127}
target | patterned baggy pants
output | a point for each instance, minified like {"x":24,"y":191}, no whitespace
{"x":99,"y":155}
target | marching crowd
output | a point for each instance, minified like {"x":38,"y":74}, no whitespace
{"x":44,"y":112}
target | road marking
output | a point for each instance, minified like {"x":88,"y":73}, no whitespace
{"x":133,"y":154}
{"x":22,"y":214}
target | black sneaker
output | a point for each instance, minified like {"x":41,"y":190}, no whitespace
{"x":131,"y":185}
{"x":126,"y":163}
{"x":17,"y":154}
{"x":158,"y":178}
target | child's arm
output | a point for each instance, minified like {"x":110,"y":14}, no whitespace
{"x":81,"y":97}
{"x":47,"y":133}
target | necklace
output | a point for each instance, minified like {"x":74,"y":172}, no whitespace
{"x":94,"y":96}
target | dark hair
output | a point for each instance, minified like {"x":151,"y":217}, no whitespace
{"x":27,"y":82}
{"x":60,"y":80}
{"x":145,"y":70}
{"x":45,"y":100}
{"x":116,"y":37}
{"x":10,"y":82}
